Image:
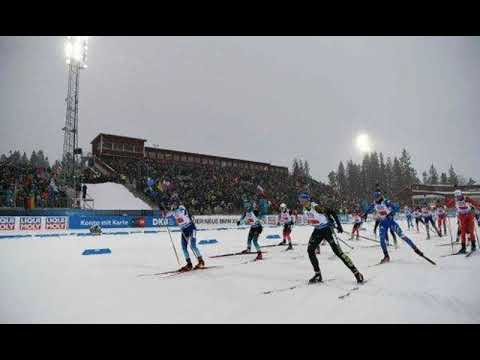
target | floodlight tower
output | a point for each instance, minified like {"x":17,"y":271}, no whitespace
{"x":76,"y":48}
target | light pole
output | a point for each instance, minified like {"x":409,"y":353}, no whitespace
{"x":76,"y":48}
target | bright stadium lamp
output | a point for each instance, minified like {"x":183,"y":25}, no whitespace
{"x":76,"y":48}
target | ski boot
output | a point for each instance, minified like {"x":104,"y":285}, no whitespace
{"x":474,"y":246}
{"x":282,"y":243}
{"x":290,"y":247}
{"x":316,"y":278}
{"x":385,"y":259}
{"x":246,"y":251}
{"x":359,"y":277}
{"x":418,"y":252}
{"x":259,"y":256}
{"x":201,"y":263}
{"x":187,"y":267}
{"x":463,"y":250}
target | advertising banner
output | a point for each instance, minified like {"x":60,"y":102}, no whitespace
{"x":30,"y":223}
{"x":56,"y":223}
{"x":7,"y":223}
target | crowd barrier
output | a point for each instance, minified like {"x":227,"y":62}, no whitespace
{"x":107,"y":219}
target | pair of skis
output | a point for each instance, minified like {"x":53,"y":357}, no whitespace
{"x":306,"y":284}
{"x":170,"y":273}
{"x":296,"y":286}
{"x":422,"y":255}
{"x":236,"y":254}
{"x":467,"y":254}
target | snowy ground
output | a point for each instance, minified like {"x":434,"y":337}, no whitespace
{"x":47,"y":280}
{"x":113,"y":196}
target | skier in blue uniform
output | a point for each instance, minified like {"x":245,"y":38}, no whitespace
{"x":408,"y":215}
{"x":385,"y":211}
{"x":189,"y":231}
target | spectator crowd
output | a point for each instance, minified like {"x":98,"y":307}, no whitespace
{"x":211,"y":189}
{"x":27,"y":186}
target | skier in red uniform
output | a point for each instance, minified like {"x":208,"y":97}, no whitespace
{"x":465,"y":213}
{"x":441,"y":218}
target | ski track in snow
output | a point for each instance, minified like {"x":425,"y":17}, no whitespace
{"x":47,"y":280}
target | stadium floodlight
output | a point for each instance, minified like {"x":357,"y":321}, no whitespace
{"x":76,"y":48}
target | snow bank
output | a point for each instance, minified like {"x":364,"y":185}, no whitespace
{"x":47,"y":280}
{"x":112,"y":196}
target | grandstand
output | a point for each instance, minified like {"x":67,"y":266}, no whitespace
{"x":207,"y":184}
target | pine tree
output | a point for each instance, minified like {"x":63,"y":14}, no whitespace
{"x":387,"y":186}
{"x":374,"y":168}
{"x":42,"y":160}
{"x":306,"y":169}
{"x":332,"y":180}
{"x":452,"y":176}
{"x":342,"y":180}
{"x":24,"y":160}
{"x":295,"y":168}
{"x":425,"y":178}
{"x":433,"y":175}
{"x":382,"y":169}
{"x":16,"y":157}
{"x":409,"y":175}
{"x":353,"y":181}
{"x":365,"y":176}
{"x":471,"y":182}
{"x":34,"y":159}
{"x":443,"y":179}
{"x":301,"y":169}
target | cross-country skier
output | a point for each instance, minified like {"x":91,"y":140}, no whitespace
{"x":251,"y":217}
{"x":189,"y":231}
{"x":285,"y":218}
{"x":357,"y":222}
{"x":466,"y":217}
{"x":323,"y":220}
{"x":441,"y":218}
{"x":378,"y":220}
{"x":385,"y":211}
{"x":428,"y":219}
{"x":408,"y":215}
{"x":417,"y":215}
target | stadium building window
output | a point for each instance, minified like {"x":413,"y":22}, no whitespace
{"x":107,"y":146}
{"x":118,"y":147}
{"x":128,"y":147}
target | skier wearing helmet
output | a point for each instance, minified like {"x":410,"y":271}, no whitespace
{"x":285,"y":218}
{"x":466,"y":218}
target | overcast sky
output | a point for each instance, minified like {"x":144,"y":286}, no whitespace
{"x":260,"y":98}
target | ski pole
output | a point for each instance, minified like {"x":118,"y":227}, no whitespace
{"x":171,"y":241}
{"x":450,"y":232}
{"x":338,"y":239}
